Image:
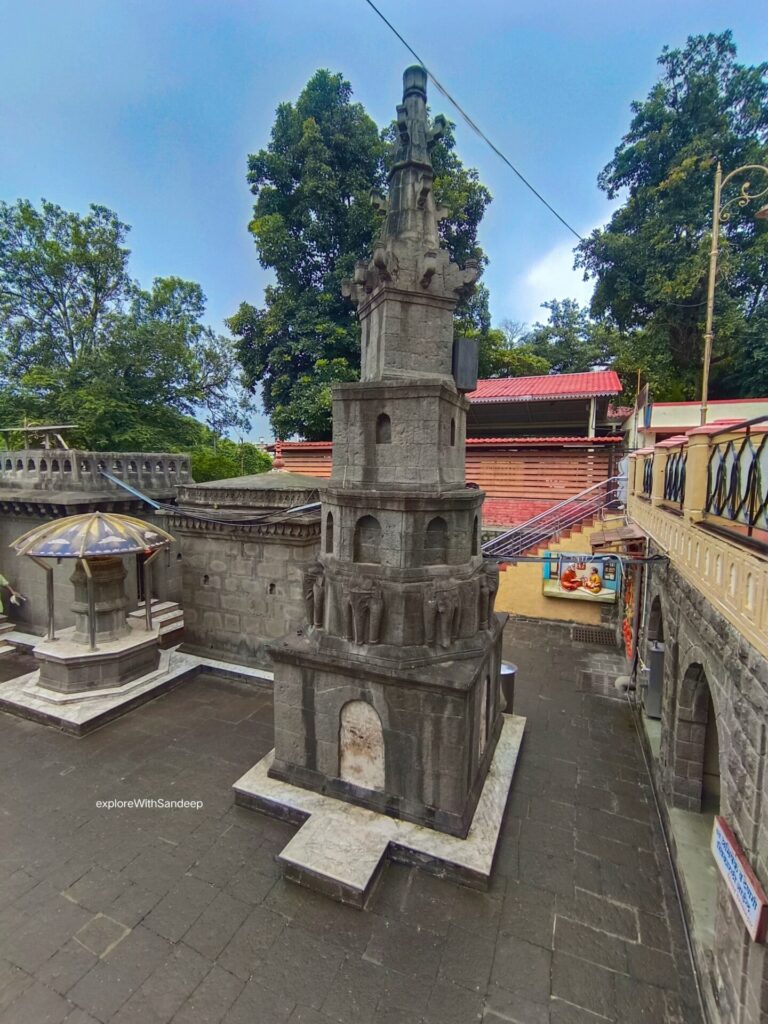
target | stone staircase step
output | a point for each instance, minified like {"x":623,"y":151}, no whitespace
{"x":158,"y":608}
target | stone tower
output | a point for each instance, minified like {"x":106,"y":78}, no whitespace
{"x":389,"y":697}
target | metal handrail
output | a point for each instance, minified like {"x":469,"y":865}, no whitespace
{"x":553,"y":509}
{"x":554,"y":520}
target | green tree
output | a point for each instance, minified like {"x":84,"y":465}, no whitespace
{"x":81,"y":343}
{"x":312,"y":219}
{"x":650,"y":262}
{"x":571,"y":342}
{"x":227,"y":460}
{"x":505,"y":353}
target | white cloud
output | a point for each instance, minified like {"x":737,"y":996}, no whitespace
{"x":551,"y":277}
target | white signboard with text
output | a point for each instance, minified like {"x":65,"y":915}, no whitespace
{"x":743,"y":885}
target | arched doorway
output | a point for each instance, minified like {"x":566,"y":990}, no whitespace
{"x":656,"y":621}
{"x":696,"y":782}
{"x":654,"y":657}
{"x":361,"y":746}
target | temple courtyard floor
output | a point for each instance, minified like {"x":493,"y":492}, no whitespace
{"x":147,"y":916}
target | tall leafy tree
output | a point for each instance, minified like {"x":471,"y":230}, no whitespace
{"x":650,"y":262}
{"x":82,"y":343}
{"x":312,"y":220}
{"x":570,"y":341}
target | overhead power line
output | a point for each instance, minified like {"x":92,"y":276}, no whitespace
{"x":477,"y":130}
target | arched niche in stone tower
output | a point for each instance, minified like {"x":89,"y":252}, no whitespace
{"x":361,"y":746}
{"x":436,"y":542}
{"x":366,"y":546}
{"x":476,"y":536}
{"x":329,"y":534}
{"x":383,"y":429}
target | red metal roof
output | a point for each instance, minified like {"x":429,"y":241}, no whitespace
{"x":512,"y":442}
{"x":551,"y":386}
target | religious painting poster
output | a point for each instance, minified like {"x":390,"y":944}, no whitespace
{"x":580,"y":577}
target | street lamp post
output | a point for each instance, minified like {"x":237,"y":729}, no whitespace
{"x":720,"y":213}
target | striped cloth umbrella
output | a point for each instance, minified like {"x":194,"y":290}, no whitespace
{"x":90,"y":535}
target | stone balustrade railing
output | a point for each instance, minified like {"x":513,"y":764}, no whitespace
{"x":69,"y":469}
{"x":703,"y":498}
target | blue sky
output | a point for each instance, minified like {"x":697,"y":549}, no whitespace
{"x":150,"y":108}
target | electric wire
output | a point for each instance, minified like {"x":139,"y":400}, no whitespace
{"x":475,"y":128}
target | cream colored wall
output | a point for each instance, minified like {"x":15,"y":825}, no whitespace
{"x":520,"y":586}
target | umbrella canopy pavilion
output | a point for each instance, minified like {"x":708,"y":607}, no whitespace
{"x":97,"y":541}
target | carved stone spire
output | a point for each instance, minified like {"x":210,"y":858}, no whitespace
{"x":408,"y":257}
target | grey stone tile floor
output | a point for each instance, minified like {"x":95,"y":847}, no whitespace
{"x":149,"y":916}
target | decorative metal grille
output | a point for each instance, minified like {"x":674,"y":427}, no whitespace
{"x":648,"y":477}
{"x":674,"y":477}
{"x":737,"y":481}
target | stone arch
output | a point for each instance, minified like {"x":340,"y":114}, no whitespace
{"x":30,"y":465}
{"x":436,"y":542}
{"x":696,"y":748}
{"x":8,"y":465}
{"x":383,"y":429}
{"x":43,"y":466}
{"x":67,"y":466}
{"x":361,"y":746}
{"x":55,"y":466}
{"x":19,"y":465}
{"x":329,"y":534}
{"x":367,"y":540}
{"x":656,"y":620}
{"x":476,"y":536}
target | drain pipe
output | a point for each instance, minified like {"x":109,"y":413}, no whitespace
{"x":635,"y":713}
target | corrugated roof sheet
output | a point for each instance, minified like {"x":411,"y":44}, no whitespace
{"x":555,"y":385}
{"x":509,"y":441}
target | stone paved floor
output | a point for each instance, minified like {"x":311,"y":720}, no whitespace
{"x":151,"y":916}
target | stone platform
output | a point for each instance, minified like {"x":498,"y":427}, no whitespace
{"x":341,"y":848}
{"x":81,"y":713}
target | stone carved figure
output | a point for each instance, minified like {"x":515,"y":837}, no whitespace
{"x":489,"y":584}
{"x":313,"y":592}
{"x":318,"y":593}
{"x":429,"y":612}
{"x":365,"y":606}
{"x":447,"y":600}
{"x":441,"y":615}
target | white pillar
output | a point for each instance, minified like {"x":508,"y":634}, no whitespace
{"x":592,"y":426}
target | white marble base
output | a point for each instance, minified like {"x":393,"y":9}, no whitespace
{"x":81,"y":713}
{"x":340,"y":848}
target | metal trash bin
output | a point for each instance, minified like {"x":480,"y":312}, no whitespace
{"x":508,"y":673}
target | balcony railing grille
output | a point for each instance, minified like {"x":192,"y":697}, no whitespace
{"x":647,"y":477}
{"x":674,"y":477}
{"x":737,"y":481}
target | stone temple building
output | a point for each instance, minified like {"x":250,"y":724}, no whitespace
{"x":389,"y":695}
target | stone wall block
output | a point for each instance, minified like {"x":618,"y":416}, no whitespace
{"x":213,"y":621}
